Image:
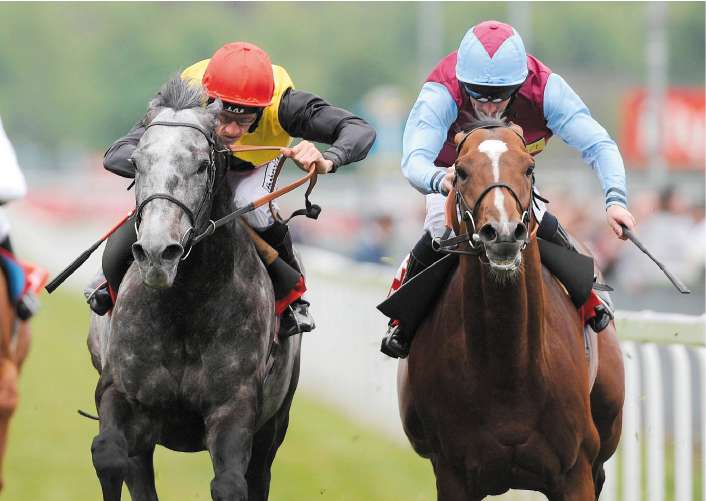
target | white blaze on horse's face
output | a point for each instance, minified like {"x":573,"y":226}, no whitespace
{"x":494,"y":148}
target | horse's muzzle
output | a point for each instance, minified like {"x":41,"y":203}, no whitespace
{"x":503,"y":243}
{"x":158,"y":263}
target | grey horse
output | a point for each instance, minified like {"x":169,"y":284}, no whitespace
{"x":188,"y":359}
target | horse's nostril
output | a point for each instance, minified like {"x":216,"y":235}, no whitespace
{"x":520,"y":231}
{"x":488,"y":233}
{"x":172,"y":252}
{"x":139,"y":253}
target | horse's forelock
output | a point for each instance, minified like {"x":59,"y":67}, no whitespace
{"x":179,"y":94}
{"x":487,"y":121}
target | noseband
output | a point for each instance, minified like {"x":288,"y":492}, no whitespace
{"x":188,"y":239}
{"x":448,"y":245}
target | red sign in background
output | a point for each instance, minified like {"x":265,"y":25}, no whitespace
{"x":683,"y":131}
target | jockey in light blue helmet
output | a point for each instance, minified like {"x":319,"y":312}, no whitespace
{"x":492,"y":62}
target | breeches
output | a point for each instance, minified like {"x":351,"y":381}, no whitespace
{"x":435,"y":220}
{"x":251,"y":185}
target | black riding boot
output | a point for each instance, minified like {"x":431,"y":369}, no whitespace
{"x":551,"y":230}
{"x":397,"y":342}
{"x":117,"y":258}
{"x":296,"y":319}
{"x":97,"y":295}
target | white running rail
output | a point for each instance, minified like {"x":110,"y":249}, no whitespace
{"x":665,"y":398}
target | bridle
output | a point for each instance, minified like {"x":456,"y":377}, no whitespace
{"x":188,"y":240}
{"x":191,"y":237}
{"x":471,"y":236}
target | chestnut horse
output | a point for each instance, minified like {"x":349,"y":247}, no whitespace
{"x":12,"y":354}
{"x":495,"y":391}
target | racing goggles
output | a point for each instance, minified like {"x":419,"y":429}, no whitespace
{"x":489,"y":93}
{"x":238,"y":109}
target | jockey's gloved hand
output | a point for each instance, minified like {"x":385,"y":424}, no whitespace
{"x":304,"y":154}
{"x":447,"y":183}
{"x":618,"y":215}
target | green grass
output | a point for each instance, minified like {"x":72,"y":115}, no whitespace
{"x":325,"y":456}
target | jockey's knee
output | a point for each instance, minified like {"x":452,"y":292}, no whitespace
{"x":260,"y":219}
{"x":424,"y":252}
{"x":435,"y":218}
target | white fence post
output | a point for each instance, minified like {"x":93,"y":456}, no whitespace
{"x":630,"y":440}
{"x":654,"y":422}
{"x":683,"y":445}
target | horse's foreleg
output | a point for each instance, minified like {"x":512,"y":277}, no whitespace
{"x":266,"y":442}
{"x":24,"y":339}
{"x":608,"y":393}
{"x":451,"y":482}
{"x":8,"y":403}
{"x":110,"y":447}
{"x":578,"y":485}
{"x":230,"y":430}
{"x":140,"y":477}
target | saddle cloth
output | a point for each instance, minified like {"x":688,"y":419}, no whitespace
{"x":22,"y":277}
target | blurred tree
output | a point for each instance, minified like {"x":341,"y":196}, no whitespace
{"x":78,"y":75}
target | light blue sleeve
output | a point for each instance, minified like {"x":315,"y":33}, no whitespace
{"x":424,"y":135}
{"x":569,"y":118}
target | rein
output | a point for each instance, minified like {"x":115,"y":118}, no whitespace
{"x":188,"y":239}
{"x":456,"y":203}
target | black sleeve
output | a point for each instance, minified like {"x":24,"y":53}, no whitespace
{"x":117,"y":158}
{"x":309,"y":117}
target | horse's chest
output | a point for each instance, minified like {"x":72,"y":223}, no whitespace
{"x":165,"y":368}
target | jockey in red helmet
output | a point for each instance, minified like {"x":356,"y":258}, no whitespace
{"x":492,"y":74}
{"x":260,"y":107}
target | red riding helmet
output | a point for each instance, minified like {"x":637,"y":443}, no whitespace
{"x":240,"y":73}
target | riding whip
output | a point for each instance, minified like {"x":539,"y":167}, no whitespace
{"x":70,"y":269}
{"x":675,"y":281}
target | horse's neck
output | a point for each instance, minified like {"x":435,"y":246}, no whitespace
{"x":503,"y":322}
{"x":218,"y":255}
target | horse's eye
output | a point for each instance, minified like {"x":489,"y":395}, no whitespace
{"x":203,"y":165}
{"x":461,"y":174}
{"x":530,"y":170}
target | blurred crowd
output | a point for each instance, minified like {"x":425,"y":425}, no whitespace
{"x":670,"y":225}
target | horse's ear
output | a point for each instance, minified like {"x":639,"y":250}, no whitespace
{"x":215,"y":107}
{"x":152,"y":112}
{"x":459,"y":137}
{"x":517,"y":129}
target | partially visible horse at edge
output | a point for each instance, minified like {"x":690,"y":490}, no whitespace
{"x":495,"y":391}
{"x":189,"y":359}
{"x":14,"y":346}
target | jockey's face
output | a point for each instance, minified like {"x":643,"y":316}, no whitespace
{"x":491,"y":109}
{"x":232,"y":126}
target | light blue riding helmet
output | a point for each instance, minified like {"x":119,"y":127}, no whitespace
{"x":492,"y":54}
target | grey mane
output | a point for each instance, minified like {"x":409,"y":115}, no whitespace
{"x":179,"y":94}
